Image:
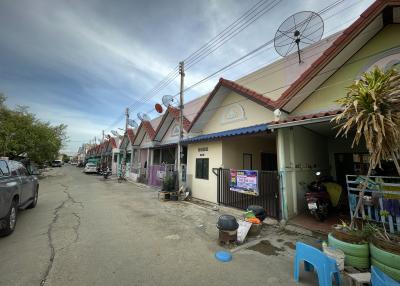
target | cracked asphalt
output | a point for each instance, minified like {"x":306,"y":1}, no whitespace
{"x":87,"y":231}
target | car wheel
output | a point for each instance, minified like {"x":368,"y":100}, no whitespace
{"x":10,"y":220}
{"x":35,"y":199}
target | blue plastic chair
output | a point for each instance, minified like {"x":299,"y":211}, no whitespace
{"x":315,"y":259}
{"x":378,"y":278}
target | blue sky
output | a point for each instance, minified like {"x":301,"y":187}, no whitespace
{"x":82,"y":62}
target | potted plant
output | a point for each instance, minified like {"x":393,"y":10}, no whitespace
{"x":371,"y":108}
{"x":168,"y":186}
{"x":385,"y":249}
{"x":353,"y":242}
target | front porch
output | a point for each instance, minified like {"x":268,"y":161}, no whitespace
{"x":307,"y":146}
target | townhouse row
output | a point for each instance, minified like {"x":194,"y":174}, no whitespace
{"x":276,"y":120}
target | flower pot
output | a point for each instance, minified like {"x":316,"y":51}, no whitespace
{"x":350,"y":237}
{"x":356,"y":254}
{"x":386,"y":256}
{"x":165,"y":196}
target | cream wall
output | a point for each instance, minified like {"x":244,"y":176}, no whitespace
{"x":301,"y":153}
{"x":335,"y":87}
{"x":233,"y":149}
{"x":253,"y":114}
{"x":204,"y":189}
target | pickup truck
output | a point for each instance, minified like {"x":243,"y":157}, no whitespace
{"x":18,"y":190}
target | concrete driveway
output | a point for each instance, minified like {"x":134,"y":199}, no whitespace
{"x":87,"y":231}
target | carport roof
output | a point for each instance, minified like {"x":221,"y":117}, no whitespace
{"x":228,"y":133}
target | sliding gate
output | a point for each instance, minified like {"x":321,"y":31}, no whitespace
{"x":268,"y":198}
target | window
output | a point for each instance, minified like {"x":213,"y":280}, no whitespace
{"x":22,"y":171}
{"x":202,"y":168}
{"x":247,"y":161}
{"x":115,"y":158}
{"x":4,"y":168}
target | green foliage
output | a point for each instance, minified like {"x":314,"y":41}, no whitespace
{"x":65,"y":158}
{"x":168,"y":184}
{"x":21,"y":133}
{"x":372,"y":109}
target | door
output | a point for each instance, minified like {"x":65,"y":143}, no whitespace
{"x":27,"y":184}
{"x":269,"y":162}
{"x":344,"y":166}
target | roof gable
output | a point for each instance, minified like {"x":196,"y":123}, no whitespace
{"x":171,"y":115}
{"x":218,"y":94}
{"x":346,"y":45}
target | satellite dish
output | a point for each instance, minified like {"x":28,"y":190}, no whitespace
{"x":167,"y":100}
{"x":297,"y":32}
{"x":158,"y":108}
{"x":132,"y":123}
{"x":143,"y":116}
{"x":115,"y":133}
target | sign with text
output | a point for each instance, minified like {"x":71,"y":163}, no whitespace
{"x":244,"y":181}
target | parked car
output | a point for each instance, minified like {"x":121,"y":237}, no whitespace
{"x":18,"y":190}
{"x":90,"y":168}
{"x":56,"y":163}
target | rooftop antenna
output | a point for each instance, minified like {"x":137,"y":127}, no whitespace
{"x":133,"y":123}
{"x":168,"y":100}
{"x":143,"y":116}
{"x":297,"y":32}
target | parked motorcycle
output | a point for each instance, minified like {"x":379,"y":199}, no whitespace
{"x":318,"y":200}
{"x":106,"y":173}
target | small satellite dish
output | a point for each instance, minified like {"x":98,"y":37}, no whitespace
{"x":167,"y":100}
{"x":297,"y":32}
{"x":115,"y":133}
{"x":143,"y":116}
{"x":158,"y":108}
{"x":132,"y":123}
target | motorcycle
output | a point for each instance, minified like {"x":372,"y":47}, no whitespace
{"x":318,"y":199}
{"x":106,"y":173}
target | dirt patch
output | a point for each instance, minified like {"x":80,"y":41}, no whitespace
{"x":290,"y":245}
{"x":266,"y":248}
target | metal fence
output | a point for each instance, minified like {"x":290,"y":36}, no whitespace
{"x":268,"y":198}
{"x":381,"y":194}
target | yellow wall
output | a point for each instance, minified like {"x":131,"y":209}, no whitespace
{"x":233,"y":149}
{"x":254,"y":114}
{"x":201,"y":188}
{"x":335,"y":87}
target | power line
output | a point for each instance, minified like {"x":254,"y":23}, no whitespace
{"x":217,"y":39}
{"x":239,"y":62}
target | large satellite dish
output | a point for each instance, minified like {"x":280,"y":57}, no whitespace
{"x":143,"y":116}
{"x":297,"y":32}
{"x":168,"y":100}
{"x":132,"y":123}
{"x":115,"y":133}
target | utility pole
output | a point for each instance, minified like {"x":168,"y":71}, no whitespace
{"x":180,"y":149}
{"x":126,"y":118}
{"x":103,"y":136}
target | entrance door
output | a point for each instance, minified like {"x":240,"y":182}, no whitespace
{"x":344,"y":166}
{"x":269,"y":162}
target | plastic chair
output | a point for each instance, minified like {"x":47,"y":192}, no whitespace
{"x":316,"y":259}
{"x":378,"y":278}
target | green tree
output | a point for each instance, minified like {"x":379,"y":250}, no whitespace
{"x":21,"y":133}
{"x":371,"y":111}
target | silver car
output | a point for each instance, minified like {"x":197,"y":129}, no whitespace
{"x":18,"y":190}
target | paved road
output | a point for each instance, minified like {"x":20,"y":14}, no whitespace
{"x":87,"y":231}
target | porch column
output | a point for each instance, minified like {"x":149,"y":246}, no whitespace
{"x":282,"y":173}
{"x":148,"y":162}
{"x":293,"y":167}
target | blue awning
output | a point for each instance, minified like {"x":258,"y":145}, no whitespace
{"x":234,"y":132}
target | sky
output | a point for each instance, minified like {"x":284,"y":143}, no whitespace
{"x":82,"y":63}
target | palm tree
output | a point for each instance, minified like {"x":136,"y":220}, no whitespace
{"x":371,"y":108}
